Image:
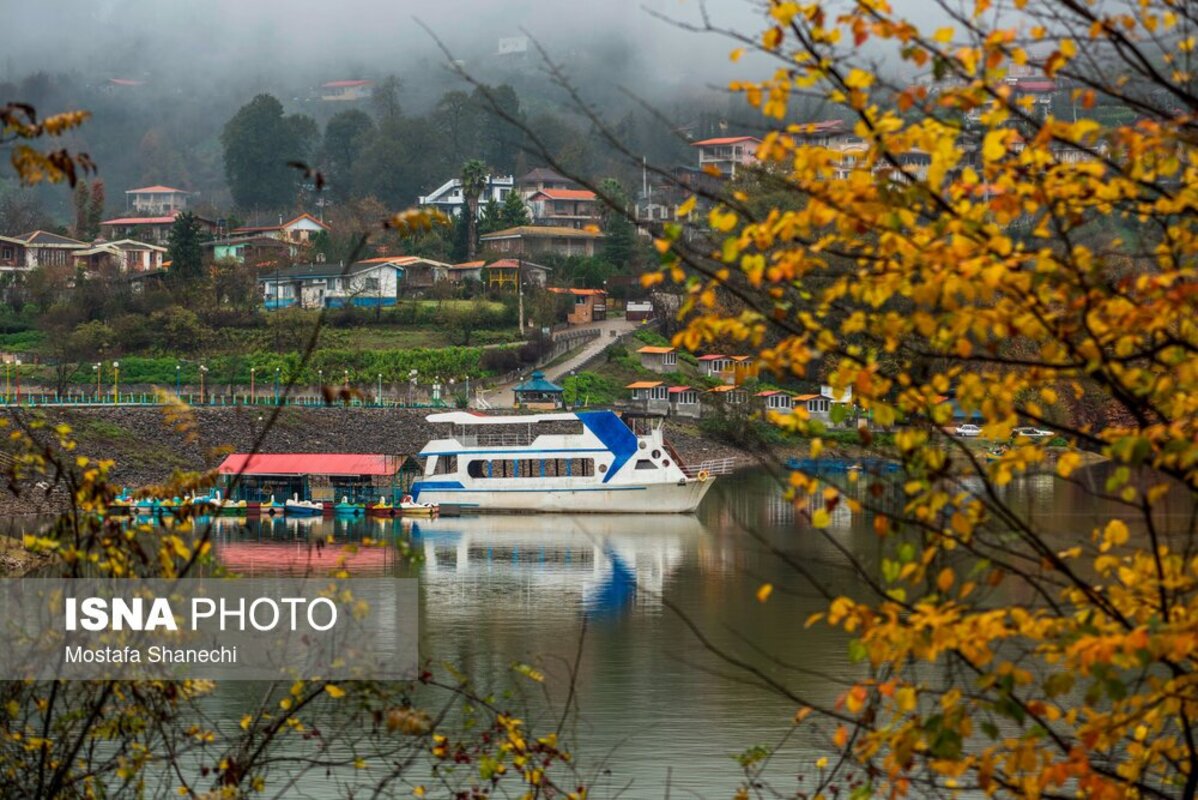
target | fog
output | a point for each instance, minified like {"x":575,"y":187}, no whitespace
{"x":274,"y":44}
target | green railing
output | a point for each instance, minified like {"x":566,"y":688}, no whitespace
{"x":39,"y":399}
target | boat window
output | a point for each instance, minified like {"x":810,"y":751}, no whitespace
{"x":532,"y":468}
{"x":656,"y":454}
{"x":445,"y":465}
{"x":602,"y":468}
{"x":644,"y":463}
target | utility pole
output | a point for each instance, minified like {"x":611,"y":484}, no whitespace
{"x":520,"y":294}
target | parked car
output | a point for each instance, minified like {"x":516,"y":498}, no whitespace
{"x":1031,"y":433}
{"x":967,"y":429}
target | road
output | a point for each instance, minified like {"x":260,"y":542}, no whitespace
{"x":501,"y":396}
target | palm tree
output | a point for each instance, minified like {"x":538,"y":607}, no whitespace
{"x":474,"y":181}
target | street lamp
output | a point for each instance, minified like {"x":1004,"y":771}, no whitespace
{"x":379,"y":394}
{"x":253,"y":396}
{"x":347,"y":379}
{"x":276,"y":386}
{"x":178,"y":377}
{"x":203,"y":372}
{"x":18,"y":368}
{"x":97,"y":368}
{"x":116,"y":383}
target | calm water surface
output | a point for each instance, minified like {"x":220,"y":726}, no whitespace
{"x":654,"y":704}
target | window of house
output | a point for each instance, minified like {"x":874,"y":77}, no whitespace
{"x":670,"y":359}
{"x":7,"y":253}
{"x":778,"y":401}
{"x":658,"y":393}
{"x":372,"y":284}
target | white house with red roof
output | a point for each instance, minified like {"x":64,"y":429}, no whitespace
{"x":345,"y":91}
{"x":566,"y":208}
{"x":727,"y":153}
{"x":300,"y":230}
{"x":156,"y":201}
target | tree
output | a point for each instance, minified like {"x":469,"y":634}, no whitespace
{"x":184,"y":249}
{"x":492,"y":217}
{"x":258,"y":142}
{"x":384,"y":99}
{"x":620,"y":235}
{"x":21,"y":211}
{"x":514,"y":212}
{"x":345,"y":136}
{"x":1025,"y":267}
{"x":88,"y":201}
{"x":474,"y":181}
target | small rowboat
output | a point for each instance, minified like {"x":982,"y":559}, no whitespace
{"x":302,"y":508}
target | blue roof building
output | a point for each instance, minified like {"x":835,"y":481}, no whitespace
{"x":538,"y":393}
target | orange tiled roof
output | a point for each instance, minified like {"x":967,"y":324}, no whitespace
{"x":655,"y":350}
{"x":643,"y":385}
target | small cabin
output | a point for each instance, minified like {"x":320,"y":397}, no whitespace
{"x":684,"y":402}
{"x":659,"y":359}
{"x":818,"y":406}
{"x":776,"y":400}
{"x":539,"y":394}
{"x":728,"y":395}
{"x":716,"y":366}
{"x":321,"y":477}
{"x":651,"y":397}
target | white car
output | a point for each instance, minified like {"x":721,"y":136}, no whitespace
{"x":1031,"y":433}
{"x":967,"y":430}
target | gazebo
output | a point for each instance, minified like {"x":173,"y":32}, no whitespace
{"x":538,"y":393}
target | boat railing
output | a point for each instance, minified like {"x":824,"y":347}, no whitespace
{"x":510,"y":439}
{"x":712,"y":466}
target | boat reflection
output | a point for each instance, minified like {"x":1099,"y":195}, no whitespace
{"x":602,"y":563}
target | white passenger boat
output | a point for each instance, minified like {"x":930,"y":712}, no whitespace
{"x":585,"y":461}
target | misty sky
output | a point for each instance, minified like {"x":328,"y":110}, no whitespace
{"x":349,"y":38}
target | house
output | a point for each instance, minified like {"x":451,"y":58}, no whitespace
{"x":345,"y":91}
{"x":156,"y":201}
{"x":511,"y":273}
{"x":590,"y":305}
{"x":650,"y":397}
{"x":817,"y":406}
{"x":726,"y":154}
{"x":253,"y":250}
{"x":776,"y":400}
{"x":120,"y":257}
{"x":466,"y":271}
{"x":332,"y":285}
{"x":538,"y":394}
{"x":659,"y":359}
{"x":37,"y":249}
{"x":416,"y":272}
{"x":684,"y":402}
{"x":729,"y":395}
{"x":300,"y":230}
{"x":543,"y":178}
{"x":152,"y":229}
{"x":568,"y":208}
{"x":716,"y":366}
{"x":535,"y":240}
{"x":638,"y":310}
{"x":448,"y":197}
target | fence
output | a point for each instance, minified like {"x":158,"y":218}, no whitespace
{"x":209,"y":399}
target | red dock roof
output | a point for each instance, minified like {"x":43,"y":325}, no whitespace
{"x":310,"y":464}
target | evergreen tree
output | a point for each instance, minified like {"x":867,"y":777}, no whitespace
{"x":492,"y":218}
{"x":460,"y":250}
{"x":345,"y":137}
{"x":514,"y":212}
{"x":620,"y":235}
{"x":259,"y":141}
{"x":184,"y":249}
